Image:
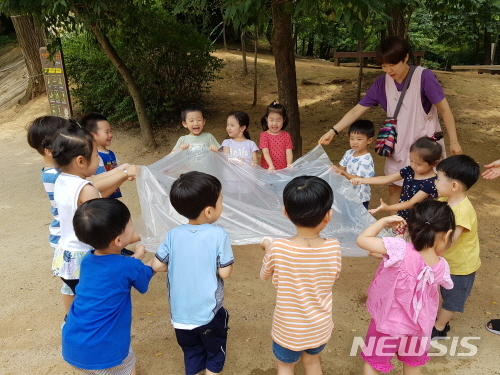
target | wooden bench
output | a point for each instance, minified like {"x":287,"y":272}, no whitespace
{"x":475,"y":67}
{"x":490,"y":71}
{"x":366,"y":54}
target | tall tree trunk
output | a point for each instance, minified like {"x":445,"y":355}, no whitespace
{"x":135,"y":93}
{"x":244,"y":52}
{"x":495,"y":51}
{"x":254,"y":103}
{"x":361,"y":46}
{"x":31,"y":37}
{"x":310,"y":45}
{"x":487,"y":47}
{"x":401,"y":16}
{"x":284,"y":60}
{"x":224,"y":34}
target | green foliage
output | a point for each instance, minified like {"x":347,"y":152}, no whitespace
{"x":170,"y":62}
{"x":7,"y":39}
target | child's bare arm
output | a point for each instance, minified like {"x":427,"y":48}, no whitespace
{"x":226,"y":149}
{"x":379,"y":180}
{"x":458,"y":231}
{"x":139,"y":251}
{"x":289,"y":157}
{"x":158,"y":266}
{"x":368,"y":239}
{"x":342,"y":170}
{"x":419,"y":197}
{"x":87,"y":193}
{"x":108,"y":182}
{"x":254,"y":158}
{"x":267,"y":157}
{"x":225,"y":272}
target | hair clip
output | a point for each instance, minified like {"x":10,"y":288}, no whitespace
{"x":274,"y":103}
{"x":78,"y":124}
{"x":427,"y":223}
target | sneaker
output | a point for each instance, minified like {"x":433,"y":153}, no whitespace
{"x":436,"y":334}
{"x":127,"y":252}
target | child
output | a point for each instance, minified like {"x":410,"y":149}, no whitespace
{"x":100,"y":128}
{"x":303,"y":269}
{"x":40,"y":133}
{"x":75,"y":153}
{"x":198,"y":256}
{"x":403,"y":297}
{"x":239,"y":146}
{"x":275,"y":143}
{"x":419,"y":177}
{"x":456,"y":175}
{"x":193,"y":119}
{"x":96,"y":336}
{"x":358,"y":162}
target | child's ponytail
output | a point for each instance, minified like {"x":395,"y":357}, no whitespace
{"x":428,"y":148}
{"x":274,"y":107}
{"x":70,"y":142}
{"x":428,"y":218}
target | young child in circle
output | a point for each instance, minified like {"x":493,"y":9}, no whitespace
{"x":455,"y":176}
{"x":275,"y":143}
{"x":193,"y":119}
{"x":198,"y":257}
{"x":96,"y":336}
{"x":303,"y":269}
{"x":403,"y":297}
{"x":75,"y":153}
{"x":98,"y":125}
{"x":40,"y":133}
{"x":358,"y":162}
{"x":239,"y":145}
{"x":419,"y":177}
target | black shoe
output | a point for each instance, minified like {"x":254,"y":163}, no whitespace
{"x":436,"y":334}
{"x":127,"y":252}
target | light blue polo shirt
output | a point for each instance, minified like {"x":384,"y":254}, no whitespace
{"x":193,"y":253}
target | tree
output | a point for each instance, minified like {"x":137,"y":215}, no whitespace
{"x":98,"y":17}
{"x":31,"y":38}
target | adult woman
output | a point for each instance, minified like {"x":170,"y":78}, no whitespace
{"x":418,"y":115}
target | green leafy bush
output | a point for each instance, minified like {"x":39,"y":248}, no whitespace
{"x":171,"y":63}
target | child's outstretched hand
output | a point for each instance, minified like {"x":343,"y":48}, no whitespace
{"x":395,"y":222}
{"x":383,"y":207}
{"x":289,"y":166}
{"x":213,"y":148}
{"x":184,"y":146}
{"x":357,"y":181}
{"x":139,"y":251}
{"x":270,"y":169}
{"x":132,"y":172}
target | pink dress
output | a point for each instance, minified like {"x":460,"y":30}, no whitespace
{"x":413,"y":122}
{"x":403,"y":297}
{"x":277,"y":145}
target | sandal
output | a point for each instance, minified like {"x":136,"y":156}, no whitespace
{"x":495,"y":326}
{"x":437,"y":334}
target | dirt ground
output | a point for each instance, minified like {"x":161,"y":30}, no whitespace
{"x":30,"y":304}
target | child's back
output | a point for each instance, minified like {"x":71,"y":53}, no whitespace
{"x":303,"y":278}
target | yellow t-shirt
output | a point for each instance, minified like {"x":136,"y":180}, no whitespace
{"x":463,"y":255}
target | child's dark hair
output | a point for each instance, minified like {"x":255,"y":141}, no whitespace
{"x":393,"y":50}
{"x":428,"y":148}
{"x":274,"y":108}
{"x":194,"y":191}
{"x":364,"y":127}
{"x":427,"y":218}
{"x":307,"y":199}
{"x":71,"y":142}
{"x":461,"y":168}
{"x":90,"y":120}
{"x":42,"y":129}
{"x":243,"y":120}
{"x":99,"y":221}
{"x":192,"y":108}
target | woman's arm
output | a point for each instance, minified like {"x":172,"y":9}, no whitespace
{"x":368,"y":240}
{"x":356,"y":112}
{"x":379,"y":180}
{"x":267,"y":158}
{"x":449,"y":121}
{"x":493,"y":170}
{"x":419,"y":197}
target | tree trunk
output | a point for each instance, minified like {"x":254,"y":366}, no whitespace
{"x":284,"y":60}
{"x":244,"y":52}
{"x":310,"y":45}
{"x":31,"y":37}
{"x":224,"y":34}
{"x":495,"y":52}
{"x":254,"y":103}
{"x":401,"y":16}
{"x":361,"y":44}
{"x":487,"y":47}
{"x":135,"y":93}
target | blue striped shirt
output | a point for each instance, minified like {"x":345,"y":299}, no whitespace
{"x":49,"y":177}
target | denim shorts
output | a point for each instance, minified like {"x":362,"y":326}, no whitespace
{"x":454,"y":299}
{"x":291,"y":356}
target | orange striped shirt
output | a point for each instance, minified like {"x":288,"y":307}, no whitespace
{"x":303,"y":278}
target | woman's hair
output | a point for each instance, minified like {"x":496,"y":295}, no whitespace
{"x":393,"y":50}
{"x":42,"y":129}
{"x":427,"y":218}
{"x":71,"y":142}
{"x":428,"y":148}
{"x":274,"y":108}
{"x":307,"y":199}
{"x":243,"y":120}
{"x":99,"y":221}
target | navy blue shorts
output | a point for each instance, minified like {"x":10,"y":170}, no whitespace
{"x":204,"y":347}
{"x":291,"y":356}
{"x":454,"y":299}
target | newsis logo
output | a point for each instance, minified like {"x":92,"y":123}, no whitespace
{"x":411,"y":346}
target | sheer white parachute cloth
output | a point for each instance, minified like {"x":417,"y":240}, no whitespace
{"x":252,"y":198}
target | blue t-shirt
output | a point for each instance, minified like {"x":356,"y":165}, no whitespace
{"x":49,"y":177}
{"x":107,"y":162}
{"x":193,"y":254}
{"x":96,"y":335}
{"x":412,"y":187}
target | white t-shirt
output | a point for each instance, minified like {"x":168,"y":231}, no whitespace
{"x":361,"y":166}
{"x":241,"y":150}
